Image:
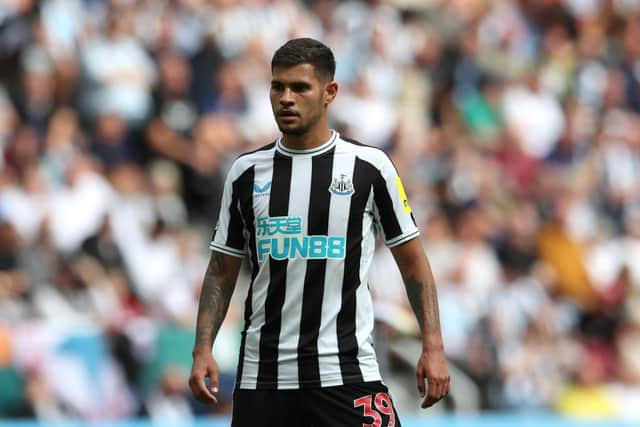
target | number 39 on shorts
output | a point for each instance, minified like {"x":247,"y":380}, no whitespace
{"x":383,"y":405}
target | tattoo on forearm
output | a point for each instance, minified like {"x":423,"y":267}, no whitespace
{"x":424,"y":302}
{"x":217,"y":288}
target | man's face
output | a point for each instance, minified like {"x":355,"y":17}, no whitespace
{"x":299,"y":98}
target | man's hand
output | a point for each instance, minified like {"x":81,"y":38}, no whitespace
{"x":204,"y":366}
{"x":433,"y":367}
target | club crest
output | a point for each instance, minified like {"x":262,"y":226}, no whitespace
{"x":342,"y":186}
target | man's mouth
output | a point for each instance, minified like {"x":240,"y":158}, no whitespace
{"x":288,"y":116}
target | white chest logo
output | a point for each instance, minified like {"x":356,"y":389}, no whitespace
{"x":341,"y":186}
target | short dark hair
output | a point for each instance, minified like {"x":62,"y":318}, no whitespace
{"x":306,"y":51}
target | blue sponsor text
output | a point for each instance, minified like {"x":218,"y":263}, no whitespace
{"x":307,"y":247}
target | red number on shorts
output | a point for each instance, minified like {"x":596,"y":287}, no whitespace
{"x":368,"y":411}
{"x":384,"y":405}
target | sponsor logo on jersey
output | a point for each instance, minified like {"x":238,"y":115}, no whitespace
{"x":281,"y":238}
{"x":261,"y":189}
{"x":341,"y":186}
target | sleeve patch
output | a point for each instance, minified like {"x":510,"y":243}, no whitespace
{"x":403,"y":196}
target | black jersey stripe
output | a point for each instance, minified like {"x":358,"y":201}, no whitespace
{"x":242,"y":187}
{"x":382,"y":199}
{"x":270,"y":331}
{"x":363,"y":178}
{"x":235,"y":238}
{"x":319,"y":204}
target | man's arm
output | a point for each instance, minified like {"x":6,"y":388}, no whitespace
{"x":422,"y":294}
{"x":217,"y":289}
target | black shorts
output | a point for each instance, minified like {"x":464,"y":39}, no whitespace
{"x":352,"y":405}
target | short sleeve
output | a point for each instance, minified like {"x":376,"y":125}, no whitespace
{"x":229,"y":236}
{"x":392,"y":211}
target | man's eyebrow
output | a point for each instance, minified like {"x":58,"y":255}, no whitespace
{"x":294,"y":82}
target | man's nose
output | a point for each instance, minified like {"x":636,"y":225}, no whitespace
{"x":287,"y":97}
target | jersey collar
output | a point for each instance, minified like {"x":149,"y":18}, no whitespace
{"x":312,"y":151}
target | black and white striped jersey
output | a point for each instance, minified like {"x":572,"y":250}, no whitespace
{"x":307,"y":219}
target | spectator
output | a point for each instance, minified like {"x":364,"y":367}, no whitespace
{"x":119,"y":71}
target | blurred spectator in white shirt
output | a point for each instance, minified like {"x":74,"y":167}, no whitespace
{"x":119,"y":71}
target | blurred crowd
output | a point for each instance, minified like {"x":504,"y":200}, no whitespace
{"x":515,"y":125}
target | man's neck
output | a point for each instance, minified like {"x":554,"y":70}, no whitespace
{"x":307,"y":141}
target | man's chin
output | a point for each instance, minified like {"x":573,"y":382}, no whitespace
{"x":291,"y":130}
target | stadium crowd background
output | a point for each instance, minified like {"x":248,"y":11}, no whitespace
{"x":515,"y":124}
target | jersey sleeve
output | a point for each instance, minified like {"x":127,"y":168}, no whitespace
{"x":229,"y":236}
{"x":393,"y":216}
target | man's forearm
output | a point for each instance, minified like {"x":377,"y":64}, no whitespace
{"x":217,"y":289}
{"x":421,"y":290}
{"x":423,"y":298}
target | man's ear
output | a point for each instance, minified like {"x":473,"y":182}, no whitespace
{"x":330,"y":92}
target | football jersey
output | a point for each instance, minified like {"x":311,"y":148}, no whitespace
{"x":307,"y":220}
